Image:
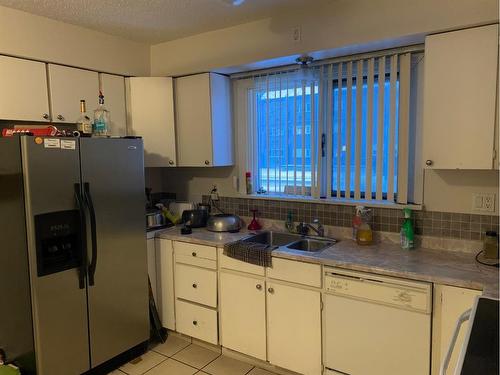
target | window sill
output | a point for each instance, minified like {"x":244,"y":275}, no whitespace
{"x":334,"y":201}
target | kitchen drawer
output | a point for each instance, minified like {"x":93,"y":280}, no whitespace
{"x":238,"y":265}
{"x":295,"y":272}
{"x":196,"y":321}
{"x":197,"y":255}
{"x":196,"y":284}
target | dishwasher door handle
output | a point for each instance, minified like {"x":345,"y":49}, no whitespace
{"x":446,"y":360}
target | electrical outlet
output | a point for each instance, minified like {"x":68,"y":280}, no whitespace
{"x":483,"y":202}
{"x":297,"y":34}
{"x":489,"y":202}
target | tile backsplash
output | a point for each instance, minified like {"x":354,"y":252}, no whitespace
{"x":428,"y":223}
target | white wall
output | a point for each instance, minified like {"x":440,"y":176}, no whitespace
{"x":40,"y":38}
{"x":343,"y":23}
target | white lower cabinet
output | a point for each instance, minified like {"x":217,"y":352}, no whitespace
{"x":449,"y":303}
{"x":243,"y":314}
{"x":294,"y":328}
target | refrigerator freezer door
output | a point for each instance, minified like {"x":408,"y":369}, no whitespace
{"x":59,"y":304}
{"x":113,"y":172}
{"x":16,"y":333}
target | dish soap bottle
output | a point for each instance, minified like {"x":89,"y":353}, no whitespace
{"x":356,"y":222}
{"x":407,"y":233}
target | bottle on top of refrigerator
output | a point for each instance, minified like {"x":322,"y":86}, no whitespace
{"x":84,"y":123}
{"x":101,"y":118}
{"x":407,"y":233}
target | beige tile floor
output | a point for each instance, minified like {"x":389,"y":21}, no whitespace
{"x":179,"y":357}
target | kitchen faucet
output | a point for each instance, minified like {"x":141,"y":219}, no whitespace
{"x":303,"y":228}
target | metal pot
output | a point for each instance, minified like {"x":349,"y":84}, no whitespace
{"x":224,"y":223}
{"x":154,"y":218}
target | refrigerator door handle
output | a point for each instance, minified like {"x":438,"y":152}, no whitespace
{"x":93,"y":229}
{"x":83,"y":236}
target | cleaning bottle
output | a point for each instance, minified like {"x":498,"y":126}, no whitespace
{"x":356,"y":221}
{"x":364,"y":235}
{"x":407,"y":233}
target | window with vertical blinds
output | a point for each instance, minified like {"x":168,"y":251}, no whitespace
{"x":335,"y":130}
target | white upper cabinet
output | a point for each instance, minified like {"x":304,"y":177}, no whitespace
{"x":23,"y":90}
{"x":150,"y":114}
{"x":113,"y":89}
{"x":203,"y":120}
{"x":459,"y":98}
{"x":67,"y":86}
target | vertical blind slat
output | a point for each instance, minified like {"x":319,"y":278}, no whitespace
{"x":369,"y":128}
{"x":359,"y":123}
{"x":380,"y":124}
{"x":267,"y":131}
{"x":339,"y":126}
{"x":404,"y":126}
{"x":313,"y":141}
{"x":329,"y":127}
{"x":286,"y":133}
{"x":348,"y":131}
{"x":303,"y":145}
{"x":320,"y":119}
{"x":279,"y":128}
{"x":294,"y":137}
{"x":392,"y":128}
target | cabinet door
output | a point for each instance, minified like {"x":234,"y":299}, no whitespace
{"x":449,"y":303}
{"x":67,"y":86}
{"x":243,"y":314}
{"x":113,"y":89}
{"x":152,"y":266}
{"x":459,"y":98}
{"x":165,"y":286}
{"x":294,"y":328}
{"x":23,"y":90}
{"x":193,"y":119}
{"x":150,"y":114}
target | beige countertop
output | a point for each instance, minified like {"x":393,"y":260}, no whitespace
{"x":437,"y":266}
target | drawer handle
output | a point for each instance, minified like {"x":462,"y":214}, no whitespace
{"x":270,"y":290}
{"x":258,"y":286}
{"x":195,"y":286}
{"x":195,"y":323}
{"x":193,"y":253}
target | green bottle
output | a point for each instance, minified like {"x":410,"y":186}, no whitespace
{"x":407,"y":233}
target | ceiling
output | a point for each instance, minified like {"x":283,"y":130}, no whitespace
{"x":154,"y":21}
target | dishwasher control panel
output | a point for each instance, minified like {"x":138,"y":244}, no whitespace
{"x":384,"y":290}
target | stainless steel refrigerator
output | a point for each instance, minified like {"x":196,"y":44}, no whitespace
{"x":73,"y":265}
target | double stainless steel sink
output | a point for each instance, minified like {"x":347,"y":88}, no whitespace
{"x":291,"y":241}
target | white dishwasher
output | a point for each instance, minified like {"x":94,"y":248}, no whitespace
{"x":376,"y":325}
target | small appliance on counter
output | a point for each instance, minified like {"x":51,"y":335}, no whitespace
{"x":195,"y":218}
{"x":224,"y":223}
{"x":177,"y":208}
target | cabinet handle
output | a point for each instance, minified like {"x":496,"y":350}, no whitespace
{"x":195,"y":286}
{"x":195,"y":323}
{"x":207,"y":162}
{"x":429,"y":163}
{"x":170,"y":162}
{"x":258,"y":286}
{"x":270,"y":290}
{"x":193,"y":253}
{"x":45,"y":116}
{"x":60,"y":117}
